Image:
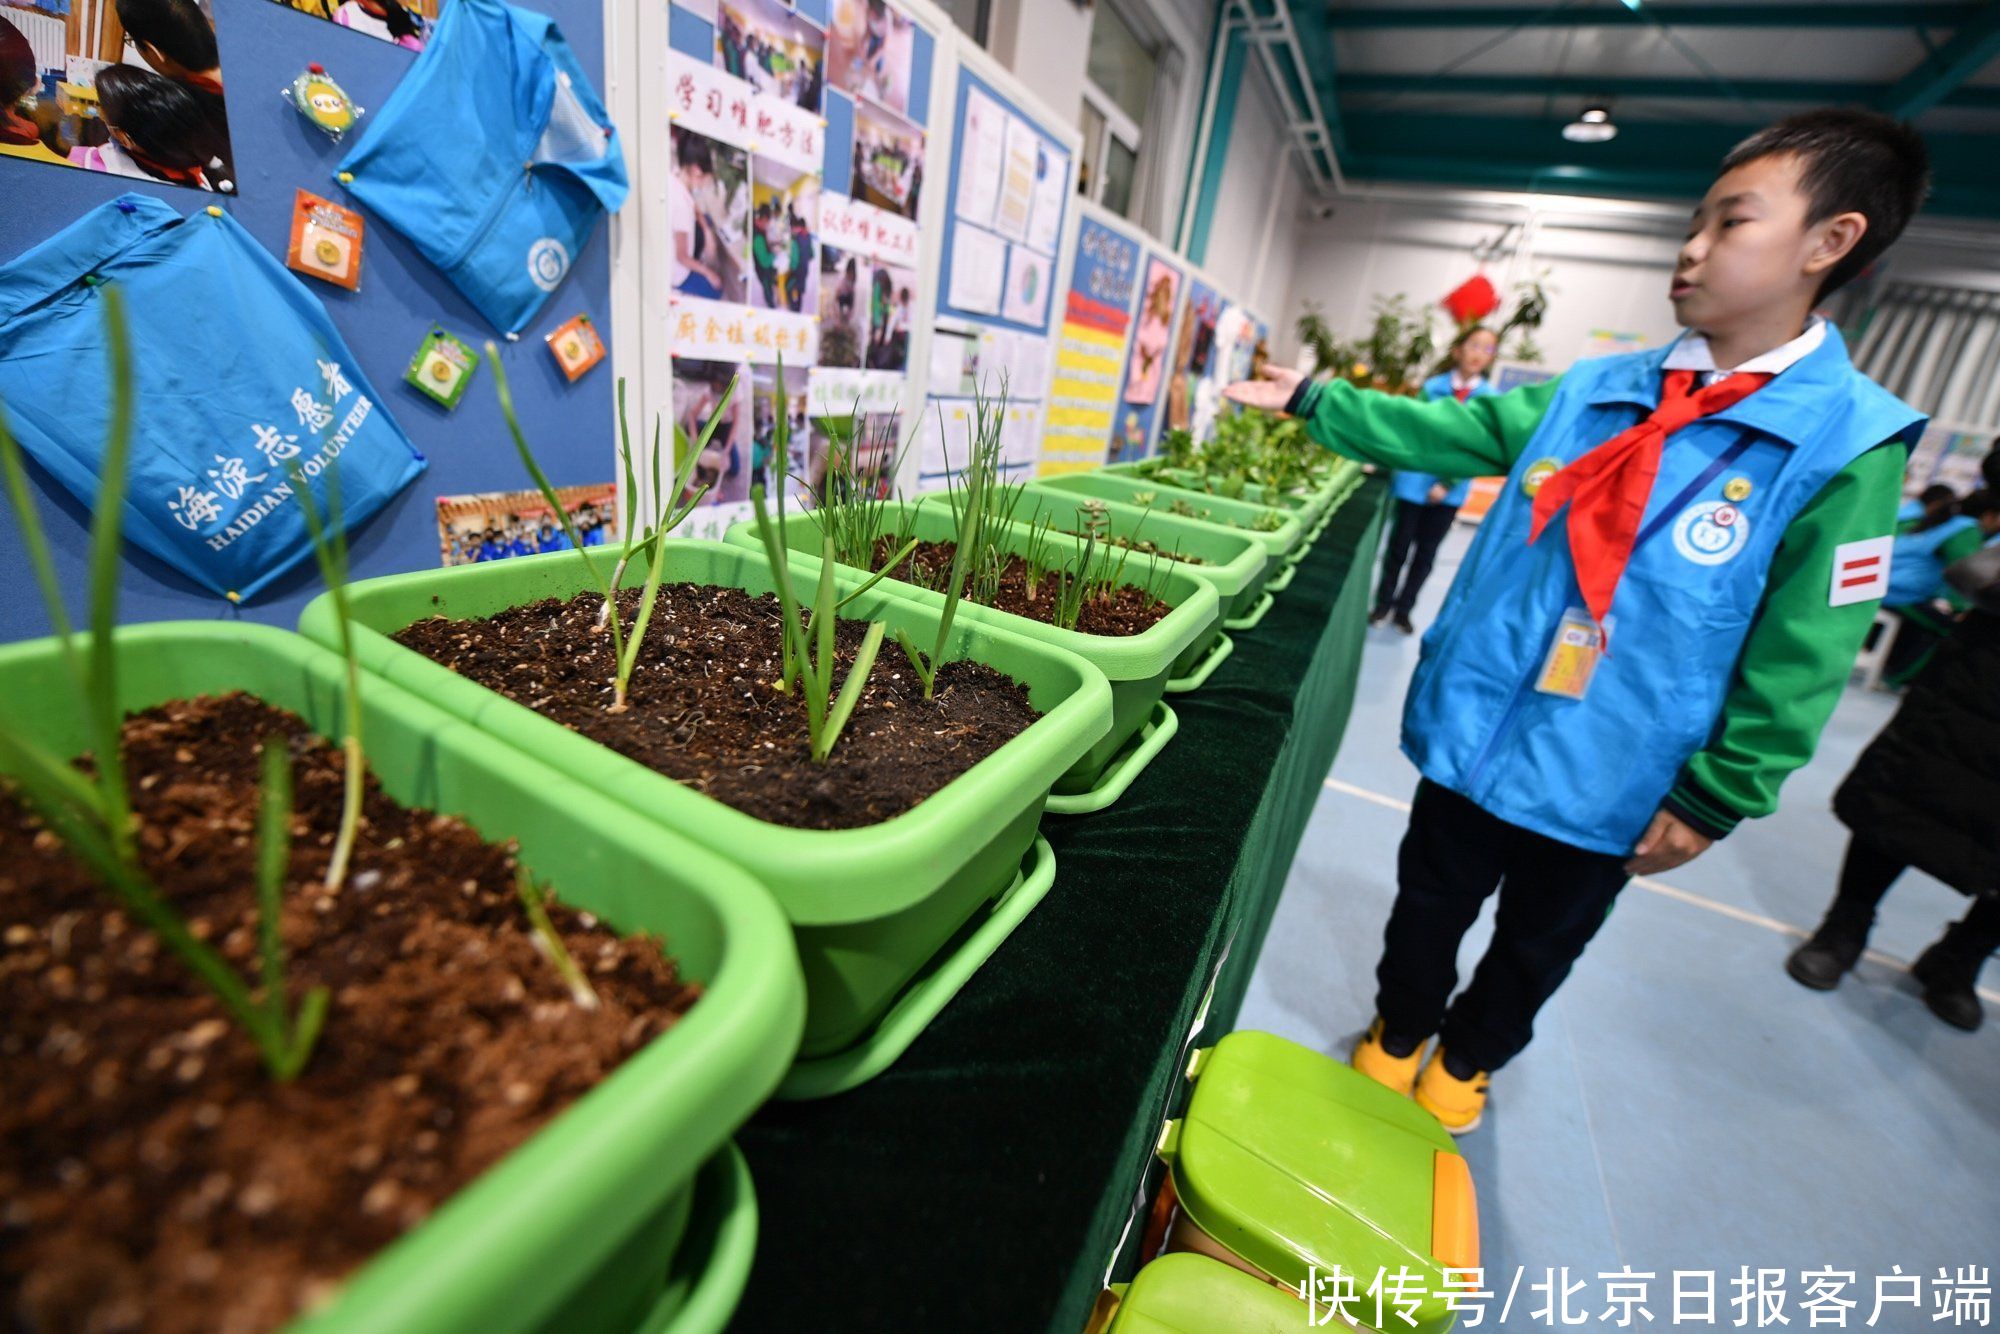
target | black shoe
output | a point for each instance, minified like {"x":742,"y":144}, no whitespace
{"x":1821,"y":962}
{"x":1947,"y":984}
{"x":1402,"y":623}
{"x":1379,"y":615}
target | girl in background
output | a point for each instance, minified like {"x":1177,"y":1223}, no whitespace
{"x":1426,"y":505}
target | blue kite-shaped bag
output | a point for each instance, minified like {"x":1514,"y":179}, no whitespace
{"x":494,"y":157}
{"x":239,"y":377}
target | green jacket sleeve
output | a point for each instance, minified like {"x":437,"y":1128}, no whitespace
{"x":1480,"y":437}
{"x":1798,"y":656}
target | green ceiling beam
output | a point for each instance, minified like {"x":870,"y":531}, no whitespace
{"x":1316,"y":46}
{"x":1953,"y":198}
{"x":1913,"y":14}
{"x":1970,"y":50}
{"x":1572,"y":85}
{"x":1647,"y":158}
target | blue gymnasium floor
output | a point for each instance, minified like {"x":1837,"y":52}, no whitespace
{"x":1685,"y":1104}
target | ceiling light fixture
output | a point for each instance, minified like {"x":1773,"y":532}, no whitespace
{"x":1592,"y":127}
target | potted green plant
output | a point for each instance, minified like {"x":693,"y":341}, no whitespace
{"x":360,"y":1117}
{"x":880,"y":848}
{"x":1235,"y":564}
{"x":1132,"y":619}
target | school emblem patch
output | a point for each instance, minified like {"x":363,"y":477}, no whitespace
{"x":1710,"y":532}
{"x":548,"y":261}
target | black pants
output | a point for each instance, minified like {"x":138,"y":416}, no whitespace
{"x":1421,"y":526}
{"x":1865,"y":878}
{"x":1553,"y":897}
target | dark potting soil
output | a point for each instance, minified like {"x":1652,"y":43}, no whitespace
{"x":702,"y":708}
{"x":1127,"y":611}
{"x":152,"y":1176}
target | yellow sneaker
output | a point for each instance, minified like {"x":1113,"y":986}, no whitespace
{"x":1458,"y":1104}
{"x":1398,"y":1074}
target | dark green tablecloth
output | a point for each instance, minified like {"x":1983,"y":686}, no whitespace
{"x":985,"y":1180}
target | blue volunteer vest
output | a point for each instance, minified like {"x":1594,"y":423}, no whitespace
{"x":1916,"y":571}
{"x":1415,"y":487}
{"x":494,"y":157}
{"x":1592,"y":772}
{"x":239,"y":377}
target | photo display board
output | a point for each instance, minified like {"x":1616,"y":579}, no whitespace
{"x":1008,"y":194}
{"x":798,"y":159}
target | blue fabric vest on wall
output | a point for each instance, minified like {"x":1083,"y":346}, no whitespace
{"x":238,"y":377}
{"x":1916,"y":572}
{"x":1592,"y":772}
{"x":1415,"y":487}
{"x":494,"y":156}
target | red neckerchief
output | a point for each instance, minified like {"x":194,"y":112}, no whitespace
{"x":1607,"y":488}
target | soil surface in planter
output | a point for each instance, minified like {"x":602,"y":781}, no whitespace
{"x":152,"y":1175}
{"x":702,"y":708}
{"x":1147,"y":549}
{"x":1127,"y":611}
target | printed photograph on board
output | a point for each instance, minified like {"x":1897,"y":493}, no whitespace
{"x":724,"y":465}
{"x":407,"y":24}
{"x":708,"y":212}
{"x":891,"y":302}
{"x":870,"y":48}
{"x":874,"y":437}
{"x":494,"y":525}
{"x":1149,"y":344}
{"x":845,"y":285}
{"x":782,"y":260}
{"x":773,"y":49}
{"x":130,"y":88}
{"x":888,"y":160}
{"x":764,"y":431}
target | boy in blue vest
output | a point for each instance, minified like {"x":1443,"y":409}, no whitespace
{"x":1661,"y":609}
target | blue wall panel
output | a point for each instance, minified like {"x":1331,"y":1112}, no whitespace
{"x":572,"y":427}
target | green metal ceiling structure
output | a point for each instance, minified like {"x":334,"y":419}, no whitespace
{"x":1433,"y":120}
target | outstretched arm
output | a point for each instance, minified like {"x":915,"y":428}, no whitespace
{"x":1481,"y":437}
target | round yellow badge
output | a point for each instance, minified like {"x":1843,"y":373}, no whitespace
{"x":1736,"y":488}
{"x":1538,"y":472}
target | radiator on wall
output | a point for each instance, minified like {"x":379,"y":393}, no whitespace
{"x":46,"y":33}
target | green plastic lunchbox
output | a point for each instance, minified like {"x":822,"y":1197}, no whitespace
{"x":1184,"y":1293}
{"x":1289,"y":1163}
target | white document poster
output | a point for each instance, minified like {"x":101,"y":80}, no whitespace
{"x":978,"y":270}
{"x":1027,"y":299}
{"x":981,"y":154}
{"x":1051,"y":189}
{"x":1017,"y":180}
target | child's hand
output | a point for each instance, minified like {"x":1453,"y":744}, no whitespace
{"x":1668,"y":842}
{"x":1437,"y":493}
{"x":1270,"y":393}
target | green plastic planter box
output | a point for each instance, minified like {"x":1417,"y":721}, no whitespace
{"x":1236,"y":564}
{"x":1288,"y":1161}
{"x":1307,"y":505}
{"x":1137,"y":666}
{"x":1183,"y":1293}
{"x":869,"y":907}
{"x":1231,"y":516}
{"x":710,"y":1268}
{"x":542,"y":1239}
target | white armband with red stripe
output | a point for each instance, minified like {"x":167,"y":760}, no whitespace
{"x":1860,"y":571}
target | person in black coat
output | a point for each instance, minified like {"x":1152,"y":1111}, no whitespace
{"x":1926,"y":793}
